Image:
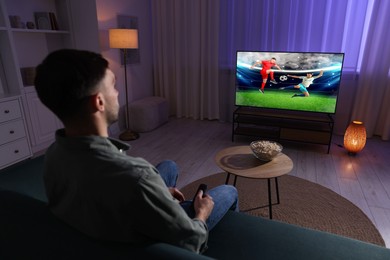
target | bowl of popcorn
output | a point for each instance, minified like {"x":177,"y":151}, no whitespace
{"x":265,"y":150}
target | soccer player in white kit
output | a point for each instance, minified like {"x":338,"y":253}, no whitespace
{"x":306,"y":82}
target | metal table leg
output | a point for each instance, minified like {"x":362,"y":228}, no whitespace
{"x":227,"y":178}
{"x":269,"y":191}
{"x":269,"y":198}
{"x":270,"y":195}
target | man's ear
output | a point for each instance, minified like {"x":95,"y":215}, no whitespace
{"x":97,"y":102}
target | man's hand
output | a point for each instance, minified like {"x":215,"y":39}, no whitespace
{"x":203,"y":205}
{"x":176,"y":194}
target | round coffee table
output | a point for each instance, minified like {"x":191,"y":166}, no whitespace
{"x":240,"y":161}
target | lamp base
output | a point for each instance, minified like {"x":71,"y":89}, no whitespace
{"x":128,"y":135}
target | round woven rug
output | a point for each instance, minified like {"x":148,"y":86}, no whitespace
{"x":302,"y":203}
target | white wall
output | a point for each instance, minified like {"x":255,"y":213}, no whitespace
{"x":139,"y":76}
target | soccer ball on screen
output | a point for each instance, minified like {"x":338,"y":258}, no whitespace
{"x":283,"y":78}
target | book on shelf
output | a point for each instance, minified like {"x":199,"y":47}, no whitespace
{"x":3,"y":79}
{"x":53,"y":21}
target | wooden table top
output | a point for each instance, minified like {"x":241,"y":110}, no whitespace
{"x":240,"y":161}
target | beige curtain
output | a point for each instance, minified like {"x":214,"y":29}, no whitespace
{"x":195,"y":42}
{"x":185,"y":46}
{"x":372,"y":102}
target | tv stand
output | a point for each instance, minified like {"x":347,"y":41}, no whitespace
{"x":278,"y":125}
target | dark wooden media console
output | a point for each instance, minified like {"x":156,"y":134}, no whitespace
{"x":279,"y":125}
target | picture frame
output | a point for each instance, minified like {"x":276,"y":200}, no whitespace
{"x":42,"y":20}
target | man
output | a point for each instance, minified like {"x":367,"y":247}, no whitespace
{"x":266,"y":70}
{"x":90,"y":182}
{"x":305,"y":84}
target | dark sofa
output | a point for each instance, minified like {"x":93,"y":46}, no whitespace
{"x":29,"y":231}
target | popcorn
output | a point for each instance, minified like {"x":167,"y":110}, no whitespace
{"x":265,"y":150}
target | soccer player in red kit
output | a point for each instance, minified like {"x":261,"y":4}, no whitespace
{"x":265,"y":70}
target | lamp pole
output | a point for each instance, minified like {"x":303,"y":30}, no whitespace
{"x":127,"y":135}
{"x":127,"y":96}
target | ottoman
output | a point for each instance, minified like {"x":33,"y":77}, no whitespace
{"x":148,"y":113}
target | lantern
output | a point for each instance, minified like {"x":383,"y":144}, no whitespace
{"x":355,"y":137}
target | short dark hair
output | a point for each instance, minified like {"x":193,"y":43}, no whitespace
{"x":66,"y":78}
{"x":273,"y":58}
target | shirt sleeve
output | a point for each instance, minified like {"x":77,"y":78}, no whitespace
{"x":163,"y":218}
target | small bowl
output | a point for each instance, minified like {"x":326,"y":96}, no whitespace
{"x":265,"y":150}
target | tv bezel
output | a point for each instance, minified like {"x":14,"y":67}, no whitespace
{"x":287,"y":109}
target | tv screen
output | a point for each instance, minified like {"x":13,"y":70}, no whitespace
{"x":299,"y":81}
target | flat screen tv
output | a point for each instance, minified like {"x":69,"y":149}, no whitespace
{"x":298,"y":81}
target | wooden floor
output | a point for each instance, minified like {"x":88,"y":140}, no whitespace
{"x":363,"y":179}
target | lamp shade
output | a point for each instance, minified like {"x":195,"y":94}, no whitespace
{"x":355,"y":137}
{"x":123,"y":38}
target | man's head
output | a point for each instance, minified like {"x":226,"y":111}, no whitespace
{"x":273,"y":60}
{"x":67,"y":80}
{"x":309,"y":75}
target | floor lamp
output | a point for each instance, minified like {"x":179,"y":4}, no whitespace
{"x":124,"y":39}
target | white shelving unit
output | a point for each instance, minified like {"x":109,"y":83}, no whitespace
{"x":22,"y":48}
{"x":14,"y":145}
